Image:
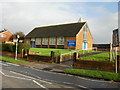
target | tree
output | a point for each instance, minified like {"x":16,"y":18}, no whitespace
{"x":21,"y":34}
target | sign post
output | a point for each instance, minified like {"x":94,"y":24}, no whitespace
{"x":16,"y":47}
{"x":116,"y":42}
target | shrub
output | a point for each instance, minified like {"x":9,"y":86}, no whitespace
{"x":7,"y":47}
{"x":24,"y":46}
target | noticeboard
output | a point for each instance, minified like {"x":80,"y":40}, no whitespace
{"x":116,"y":38}
{"x":71,"y":43}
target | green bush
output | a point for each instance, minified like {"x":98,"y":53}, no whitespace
{"x":24,"y":46}
{"x":12,"y":47}
{"x":7,"y":47}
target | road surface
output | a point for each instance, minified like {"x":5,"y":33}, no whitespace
{"x":16,"y":76}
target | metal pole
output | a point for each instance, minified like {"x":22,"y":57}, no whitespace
{"x":111,"y":52}
{"x":116,"y":60}
{"x":16,"y":49}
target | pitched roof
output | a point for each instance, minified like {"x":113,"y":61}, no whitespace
{"x":67,"y":30}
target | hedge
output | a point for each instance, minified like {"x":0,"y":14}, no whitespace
{"x":12,"y":47}
{"x":24,"y":46}
{"x":7,"y":47}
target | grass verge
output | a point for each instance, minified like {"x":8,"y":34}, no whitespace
{"x":97,"y":57}
{"x":96,"y":74}
{"x":8,"y":59}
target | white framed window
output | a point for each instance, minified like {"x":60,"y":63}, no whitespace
{"x":44,"y":41}
{"x":60,"y":41}
{"x":32,"y":39}
{"x":52,"y":40}
{"x":38,"y":41}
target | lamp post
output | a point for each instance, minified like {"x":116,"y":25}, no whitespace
{"x":16,"y":47}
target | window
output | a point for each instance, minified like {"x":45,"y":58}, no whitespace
{"x":85,"y":28}
{"x":3,"y":35}
{"x":44,"y":41}
{"x":60,"y":41}
{"x":85,"y":33}
{"x":32,"y":39}
{"x":38,"y":41}
{"x":52,"y":40}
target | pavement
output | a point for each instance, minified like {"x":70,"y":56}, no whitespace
{"x":48,"y":66}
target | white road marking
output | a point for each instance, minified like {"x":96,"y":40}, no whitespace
{"x":31,"y":77}
{"x":24,"y":79}
{"x":13,"y":76}
{"x":13,"y":64}
{"x":4,"y":64}
{"x":43,"y":80}
{"x":22,"y":75}
{"x":83,"y":86}
{"x":40,"y":84}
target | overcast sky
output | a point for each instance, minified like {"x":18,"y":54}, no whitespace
{"x":101,"y":17}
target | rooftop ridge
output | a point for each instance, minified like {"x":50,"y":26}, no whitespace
{"x":59,"y":25}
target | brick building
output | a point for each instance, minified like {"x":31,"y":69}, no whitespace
{"x":5,"y":36}
{"x":77,"y":35}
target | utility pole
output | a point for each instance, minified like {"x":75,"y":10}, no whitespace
{"x":16,"y":47}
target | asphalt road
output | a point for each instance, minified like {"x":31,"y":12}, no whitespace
{"x":33,"y":78}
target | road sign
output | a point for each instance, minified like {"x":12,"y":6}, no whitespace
{"x":71,"y":43}
{"x":116,"y":38}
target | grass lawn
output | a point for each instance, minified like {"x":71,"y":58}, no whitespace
{"x":47,"y":51}
{"x":97,"y":57}
{"x":91,"y":73}
{"x":8,"y":59}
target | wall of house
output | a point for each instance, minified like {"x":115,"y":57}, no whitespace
{"x":90,"y":40}
{"x":79,"y":40}
{"x":7,"y":37}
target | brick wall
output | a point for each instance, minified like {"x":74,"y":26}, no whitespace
{"x":90,"y":40}
{"x":79,"y":40}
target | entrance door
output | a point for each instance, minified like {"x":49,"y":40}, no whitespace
{"x":85,"y":46}
{"x":33,"y":44}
